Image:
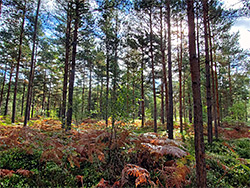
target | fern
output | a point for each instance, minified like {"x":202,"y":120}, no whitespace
{"x":141,"y":174}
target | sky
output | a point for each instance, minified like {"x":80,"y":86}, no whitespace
{"x":242,"y":24}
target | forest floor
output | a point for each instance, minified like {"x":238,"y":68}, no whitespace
{"x":92,"y":155}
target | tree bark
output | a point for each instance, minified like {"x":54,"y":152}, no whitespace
{"x":73,"y":66}
{"x":142,"y":90}
{"x":32,"y":106}
{"x":164,"y":77}
{"x":107,"y":80}
{"x":101,"y":110}
{"x":44,"y":94}
{"x":18,"y":64}
{"x":83,"y":90}
{"x":230,"y":83}
{"x":66,"y":66}
{"x":3,"y":84}
{"x":90,"y":86}
{"x":27,"y":109}
{"x":170,"y":123}
{"x":213,"y":83}
{"x":180,"y":79}
{"x":190,"y":114}
{"x":198,"y":36}
{"x":216,"y":89}
{"x":48,"y":103}
{"x":153,"y":68}
{"x":198,"y":123}
{"x":23,"y":98}
{"x":9,"y":87}
{"x":208,"y":84}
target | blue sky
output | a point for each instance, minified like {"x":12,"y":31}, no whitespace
{"x":242,"y":24}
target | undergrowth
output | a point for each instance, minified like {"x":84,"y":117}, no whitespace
{"x":42,"y":155}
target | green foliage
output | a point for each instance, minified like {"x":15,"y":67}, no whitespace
{"x":237,"y":113}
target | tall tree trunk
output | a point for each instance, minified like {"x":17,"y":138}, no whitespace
{"x":23,"y":98}
{"x":230,"y":83}
{"x":213,"y":82}
{"x":216,"y":89}
{"x":8,"y":93}
{"x":184,"y":97}
{"x":198,"y":123}
{"x":164,"y":76}
{"x":165,"y":70}
{"x":198,"y":35}
{"x":48,"y":103}
{"x":3,"y":84}
{"x":44,"y":94}
{"x":142,"y":90}
{"x":33,"y":104}
{"x":90,"y":86}
{"x":73,"y":68}
{"x":153,"y":68}
{"x":208,"y":84}
{"x":83,"y":93}
{"x":18,"y":63}
{"x":66,"y":66}
{"x":190,"y":114}
{"x":217,"y":94}
{"x":180,"y":78}
{"x":101,"y":105}
{"x":162,"y":103}
{"x":133,"y":98}
{"x":31,"y":66}
{"x":170,"y":123}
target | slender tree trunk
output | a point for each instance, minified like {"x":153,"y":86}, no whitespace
{"x":162,"y":103}
{"x":18,"y":63}
{"x":9,"y":87}
{"x":213,"y":83}
{"x":33,"y":104}
{"x":217,"y":94}
{"x":230,"y":83}
{"x":101,"y":110}
{"x":170,"y":123}
{"x":164,"y":77}
{"x":153,"y":68}
{"x":107,"y":80}
{"x":48,"y":103}
{"x":127,"y":91}
{"x":83,"y":90}
{"x":184,"y":98}
{"x":208,"y":84}
{"x":66,"y":66}
{"x":198,"y":123}
{"x":198,"y":36}
{"x":133,"y":98}
{"x":190,"y":114}
{"x":142,"y":90}
{"x":72,"y":72}
{"x":23,"y":98}
{"x":180,"y":79}
{"x":44,"y":94}
{"x":31,"y":66}
{"x":3,"y":84}
{"x":216,"y":90}
{"x":90,"y":86}
{"x":165,"y":70}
